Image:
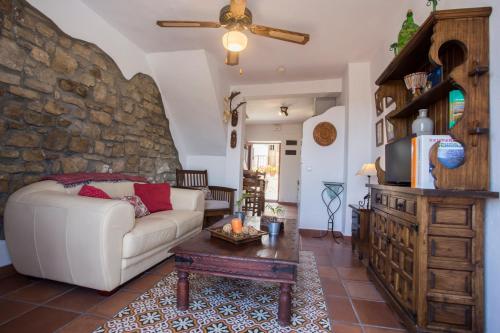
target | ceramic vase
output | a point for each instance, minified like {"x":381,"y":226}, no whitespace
{"x":423,"y":125}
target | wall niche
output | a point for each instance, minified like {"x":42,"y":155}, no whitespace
{"x":65,"y":107}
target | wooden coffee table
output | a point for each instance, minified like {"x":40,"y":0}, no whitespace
{"x":270,"y":259}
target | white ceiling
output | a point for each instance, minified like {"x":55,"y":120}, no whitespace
{"x":341,"y":31}
{"x":267,"y":111}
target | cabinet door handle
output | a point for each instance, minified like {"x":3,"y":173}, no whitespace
{"x":400,"y":205}
{"x":433,"y":280}
{"x":433,"y":247}
{"x":378,"y":198}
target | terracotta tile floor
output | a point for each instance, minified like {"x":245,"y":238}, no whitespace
{"x":34,"y":305}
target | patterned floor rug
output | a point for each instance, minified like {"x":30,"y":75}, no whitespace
{"x":221,"y":305}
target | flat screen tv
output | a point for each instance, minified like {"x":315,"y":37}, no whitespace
{"x":398,"y":162}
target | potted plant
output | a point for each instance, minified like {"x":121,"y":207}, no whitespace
{"x":239,"y":213}
{"x":274,"y":225}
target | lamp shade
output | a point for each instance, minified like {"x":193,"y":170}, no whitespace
{"x":234,"y":41}
{"x":368,"y":169}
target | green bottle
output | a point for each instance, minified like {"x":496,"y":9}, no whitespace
{"x":407,"y":31}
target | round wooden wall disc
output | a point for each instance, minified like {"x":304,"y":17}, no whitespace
{"x":325,"y":134}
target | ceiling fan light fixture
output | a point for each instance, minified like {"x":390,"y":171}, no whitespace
{"x":234,"y":41}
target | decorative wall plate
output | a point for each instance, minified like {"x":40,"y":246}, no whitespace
{"x":325,"y":134}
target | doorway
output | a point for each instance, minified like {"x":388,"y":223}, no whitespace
{"x":264,"y":158}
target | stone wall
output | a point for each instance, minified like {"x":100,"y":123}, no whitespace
{"x":66,"y":107}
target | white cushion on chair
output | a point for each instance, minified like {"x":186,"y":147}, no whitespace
{"x":216,"y":204}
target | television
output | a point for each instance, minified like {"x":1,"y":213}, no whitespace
{"x":398,"y":162}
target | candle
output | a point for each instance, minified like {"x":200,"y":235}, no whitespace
{"x":237,"y":225}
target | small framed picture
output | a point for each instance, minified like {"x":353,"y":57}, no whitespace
{"x":379,"y":102}
{"x":389,"y":131}
{"x":379,"y":131}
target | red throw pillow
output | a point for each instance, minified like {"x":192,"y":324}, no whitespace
{"x":93,"y":192}
{"x":155,"y":196}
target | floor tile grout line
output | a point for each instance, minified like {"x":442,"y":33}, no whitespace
{"x":352,"y":305}
{"x":18,"y":289}
{"x":69,"y":322}
{"x":19,"y":315}
{"x":385,"y":328}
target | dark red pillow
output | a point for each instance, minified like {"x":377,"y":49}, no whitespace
{"x":155,"y":196}
{"x":93,"y":192}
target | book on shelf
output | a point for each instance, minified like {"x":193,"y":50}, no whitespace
{"x":456,"y":106}
{"x":421,"y":166}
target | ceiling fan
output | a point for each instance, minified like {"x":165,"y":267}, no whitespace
{"x":237,"y":18}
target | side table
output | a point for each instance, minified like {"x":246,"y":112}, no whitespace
{"x":360,"y":230}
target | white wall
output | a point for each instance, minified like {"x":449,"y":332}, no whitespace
{"x":235,"y":156}
{"x":321,"y":164}
{"x":79,"y":21}
{"x":359,"y":110}
{"x":289,"y":164}
{"x":492,"y":227}
{"x":215,"y":166}
{"x":191,"y":102}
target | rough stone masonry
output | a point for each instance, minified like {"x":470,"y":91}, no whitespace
{"x":66,"y":107}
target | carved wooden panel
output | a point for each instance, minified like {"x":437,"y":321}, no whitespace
{"x":443,"y":316}
{"x":378,"y":243}
{"x":450,"y":281}
{"x":468,"y":40}
{"x":401,"y":253}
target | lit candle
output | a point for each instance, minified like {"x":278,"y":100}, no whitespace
{"x":237,"y":226}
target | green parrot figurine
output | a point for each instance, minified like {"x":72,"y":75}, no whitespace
{"x":408,"y":29}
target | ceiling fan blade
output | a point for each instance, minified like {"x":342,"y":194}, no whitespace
{"x":188,"y":24}
{"x":238,"y":8}
{"x":284,"y":35}
{"x":232,"y":58}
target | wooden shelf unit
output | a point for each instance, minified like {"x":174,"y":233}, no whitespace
{"x":458,"y":42}
{"x":426,"y":251}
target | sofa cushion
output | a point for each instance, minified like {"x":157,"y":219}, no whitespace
{"x":185,"y":220}
{"x":155,"y":196}
{"x":93,"y":192}
{"x":148,"y":233}
{"x":139,"y":207}
{"x":216,"y":204}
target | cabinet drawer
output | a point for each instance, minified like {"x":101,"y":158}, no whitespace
{"x":380,"y":198}
{"x":450,"y":249}
{"x":451,"y":216}
{"x":445,"y":281}
{"x":445,"y":315}
{"x":403,"y":205}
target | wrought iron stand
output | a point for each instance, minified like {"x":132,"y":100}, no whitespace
{"x":333,"y":201}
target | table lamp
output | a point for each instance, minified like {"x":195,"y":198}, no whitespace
{"x":368,"y":169}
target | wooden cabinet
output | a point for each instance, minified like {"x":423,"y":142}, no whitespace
{"x":426,"y":253}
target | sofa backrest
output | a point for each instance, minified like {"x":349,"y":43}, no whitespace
{"x":113,"y":189}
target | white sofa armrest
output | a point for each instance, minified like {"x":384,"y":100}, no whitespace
{"x":68,"y":238}
{"x":186,"y":199}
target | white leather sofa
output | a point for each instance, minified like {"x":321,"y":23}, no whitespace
{"x":53,"y":233}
